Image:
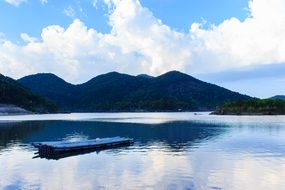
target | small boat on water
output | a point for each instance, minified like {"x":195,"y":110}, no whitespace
{"x":58,"y":147}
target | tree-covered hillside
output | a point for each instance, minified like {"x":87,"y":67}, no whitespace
{"x":280,"y":97}
{"x":51,"y":87}
{"x":172,"y":91}
{"x":11,"y":92}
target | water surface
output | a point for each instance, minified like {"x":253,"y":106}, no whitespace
{"x":171,"y":151}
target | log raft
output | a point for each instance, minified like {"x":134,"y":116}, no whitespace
{"x":59,"y":147}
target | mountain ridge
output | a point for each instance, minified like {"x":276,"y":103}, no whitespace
{"x":113,"y":91}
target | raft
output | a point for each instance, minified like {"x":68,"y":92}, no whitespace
{"x":59,"y":147}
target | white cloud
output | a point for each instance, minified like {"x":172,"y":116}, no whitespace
{"x":140,"y":43}
{"x":44,"y":2}
{"x":256,"y":40}
{"x":94,"y":3}
{"x":69,"y":11}
{"x":136,"y":30}
{"x":15,"y":2}
{"x":26,"y":38}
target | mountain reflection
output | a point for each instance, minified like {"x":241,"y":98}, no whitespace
{"x":175,"y":135}
{"x":203,"y":152}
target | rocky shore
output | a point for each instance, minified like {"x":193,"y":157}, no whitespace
{"x":7,"y":109}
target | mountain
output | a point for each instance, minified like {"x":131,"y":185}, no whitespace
{"x":280,"y":97}
{"x":13,"y":93}
{"x":51,"y":87}
{"x":172,"y":91}
{"x":181,"y":91}
{"x":109,"y":92}
{"x":144,"y":76}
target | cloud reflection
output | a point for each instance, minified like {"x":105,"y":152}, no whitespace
{"x":226,"y":153}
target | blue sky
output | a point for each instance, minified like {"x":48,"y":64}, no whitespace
{"x":237,"y":44}
{"x":32,"y":16}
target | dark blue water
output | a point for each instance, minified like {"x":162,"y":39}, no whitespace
{"x":171,"y":151}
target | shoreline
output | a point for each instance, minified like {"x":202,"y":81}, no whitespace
{"x":247,"y":114}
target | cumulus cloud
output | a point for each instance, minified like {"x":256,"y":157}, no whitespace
{"x":136,"y":30}
{"x":256,"y":40}
{"x":15,"y":2}
{"x":140,"y":43}
{"x":26,"y":38}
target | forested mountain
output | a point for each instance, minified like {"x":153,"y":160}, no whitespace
{"x":280,"y":97}
{"x":13,"y":93}
{"x":172,"y":91}
{"x":52,"y":87}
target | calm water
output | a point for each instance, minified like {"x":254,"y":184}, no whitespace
{"x":171,"y":151}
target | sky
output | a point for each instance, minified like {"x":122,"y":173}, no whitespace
{"x":237,"y":44}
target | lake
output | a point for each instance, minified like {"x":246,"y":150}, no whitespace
{"x":170,"y":151}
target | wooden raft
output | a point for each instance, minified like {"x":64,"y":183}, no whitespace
{"x":58,"y":147}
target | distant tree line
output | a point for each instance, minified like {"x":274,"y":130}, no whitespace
{"x":253,"y":107}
